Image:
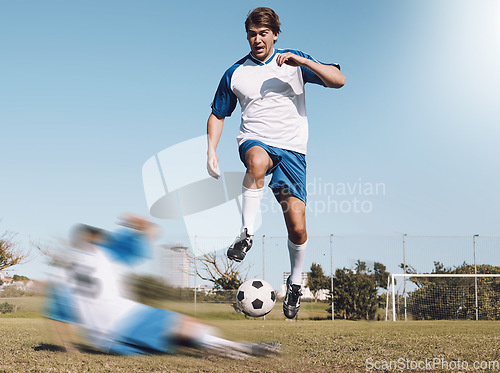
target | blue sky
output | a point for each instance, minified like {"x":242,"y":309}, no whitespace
{"x":90,"y":90}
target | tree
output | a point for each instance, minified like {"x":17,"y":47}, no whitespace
{"x":223,"y":273}
{"x":360,"y":266}
{"x":380,"y":275}
{"x":354,"y":295}
{"x":20,"y":278}
{"x":355,"y":292}
{"x":317,"y":280}
{"x":409,"y":268}
{"x":10,"y":253}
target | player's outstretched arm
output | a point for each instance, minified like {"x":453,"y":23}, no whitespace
{"x":214,"y":132}
{"x":330,"y":75}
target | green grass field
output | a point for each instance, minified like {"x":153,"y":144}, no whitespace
{"x":307,"y":345}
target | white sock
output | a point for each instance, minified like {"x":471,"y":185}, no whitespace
{"x":251,"y":199}
{"x":211,"y":341}
{"x":297,"y":256}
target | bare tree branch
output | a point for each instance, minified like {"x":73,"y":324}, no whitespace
{"x":222,"y":272}
{"x":11,"y":253}
{"x":54,"y":251}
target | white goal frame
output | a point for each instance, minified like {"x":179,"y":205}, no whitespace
{"x":423,"y":275}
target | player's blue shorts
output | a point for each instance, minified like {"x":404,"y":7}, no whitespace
{"x":146,"y":330}
{"x":59,"y":304}
{"x":289,"y":169}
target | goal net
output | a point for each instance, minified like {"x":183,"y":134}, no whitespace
{"x":443,"y":297}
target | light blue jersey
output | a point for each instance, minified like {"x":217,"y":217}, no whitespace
{"x":89,"y":293}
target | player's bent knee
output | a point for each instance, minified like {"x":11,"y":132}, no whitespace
{"x":257,"y":160}
{"x":257,"y":165}
{"x":298,"y":235}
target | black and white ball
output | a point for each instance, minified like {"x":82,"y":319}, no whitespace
{"x":255,"y":297}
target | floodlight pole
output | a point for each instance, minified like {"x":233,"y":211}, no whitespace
{"x":331,"y":270}
{"x":263,"y":257}
{"x":195,"y":270}
{"x":263,"y":261}
{"x":393,"y":299}
{"x":404,"y":269}
{"x":387,"y":298}
{"x":475,"y":278}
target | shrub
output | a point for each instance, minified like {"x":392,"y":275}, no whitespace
{"x":6,"y":307}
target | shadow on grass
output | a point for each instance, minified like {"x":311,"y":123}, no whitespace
{"x":182,"y":350}
{"x":55,"y":348}
{"x":49,"y":347}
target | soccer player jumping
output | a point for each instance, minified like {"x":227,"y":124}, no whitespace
{"x":269,"y":85}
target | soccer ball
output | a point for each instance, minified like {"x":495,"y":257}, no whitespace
{"x":255,"y":298}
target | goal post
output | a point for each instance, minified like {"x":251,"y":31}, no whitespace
{"x":445,"y":296}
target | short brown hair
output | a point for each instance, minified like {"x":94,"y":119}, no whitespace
{"x":263,"y":17}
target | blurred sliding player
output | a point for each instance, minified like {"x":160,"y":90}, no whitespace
{"x":269,"y":84}
{"x":90,"y":296}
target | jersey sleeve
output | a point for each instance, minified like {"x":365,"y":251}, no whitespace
{"x":127,"y":246}
{"x":225,"y":100}
{"x":308,"y":75}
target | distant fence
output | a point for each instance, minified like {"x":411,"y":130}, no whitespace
{"x":268,"y":258}
{"x":445,"y":296}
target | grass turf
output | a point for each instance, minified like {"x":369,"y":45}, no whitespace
{"x":308,"y":346}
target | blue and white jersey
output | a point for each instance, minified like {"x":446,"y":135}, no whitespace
{"x":272,"y":100}
{"x":112,"y":323}
{"x":89,"y":292}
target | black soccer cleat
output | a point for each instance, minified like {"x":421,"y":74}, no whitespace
{"x":240,"y":246}
{"x":291,"y":304}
